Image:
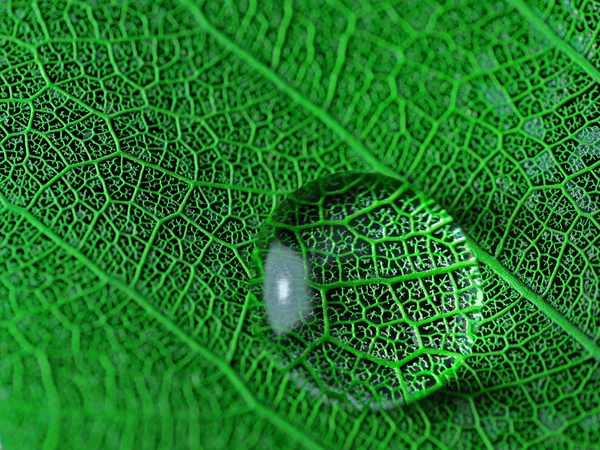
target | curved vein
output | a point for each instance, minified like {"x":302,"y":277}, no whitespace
{"x":374,"y":162}
{"x":172,"y":327}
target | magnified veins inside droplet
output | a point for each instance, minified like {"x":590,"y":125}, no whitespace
{"x":369,"y":290}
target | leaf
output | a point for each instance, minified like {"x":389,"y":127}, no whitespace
{"x":144,"y":143}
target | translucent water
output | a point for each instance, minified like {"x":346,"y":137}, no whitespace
{"x":370,"y":290}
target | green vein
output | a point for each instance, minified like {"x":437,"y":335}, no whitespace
{"x":534,"y":298}
{"x":416,"y":275}
{"x":171,"y":326}
{"x":554,"y":39}
{"x":291,"y":92}
{"x":524,"y":380}
{"x":374,"y":162}
{"x":238,"y":329}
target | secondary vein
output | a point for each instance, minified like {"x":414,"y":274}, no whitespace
{"x":374,"y":162}
{"x":291,"y":92}
{"x":171,"y":326}
{"x":554,"y":39}
{"x":534,"y":298}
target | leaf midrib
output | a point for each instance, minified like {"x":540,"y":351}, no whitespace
{"x":374,"y":162}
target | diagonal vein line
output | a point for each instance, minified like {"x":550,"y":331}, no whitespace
{"x":291,"y":92}
{"x":537,"y":22}
{"x":538,"y":301}
{"x":374,"y":162}
{"x":171,"y":326}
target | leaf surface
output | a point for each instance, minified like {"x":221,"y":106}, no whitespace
{"x":143,"y":144}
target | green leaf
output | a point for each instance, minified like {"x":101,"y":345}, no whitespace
{"x":144,"y":143}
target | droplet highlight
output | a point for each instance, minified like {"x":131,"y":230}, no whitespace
{"x":371,"y":294}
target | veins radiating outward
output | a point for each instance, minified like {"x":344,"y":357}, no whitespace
{"x":143,"y":143}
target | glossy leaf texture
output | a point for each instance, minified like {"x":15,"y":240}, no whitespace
{"x":143,"y":144}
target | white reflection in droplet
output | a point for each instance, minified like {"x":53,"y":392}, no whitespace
{"x":283,"y":290}
{"x":287,"y":295}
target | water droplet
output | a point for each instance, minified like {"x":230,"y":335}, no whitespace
{"x":370,"y":291}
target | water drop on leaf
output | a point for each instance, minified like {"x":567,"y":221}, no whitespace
{"x":370,"y":291}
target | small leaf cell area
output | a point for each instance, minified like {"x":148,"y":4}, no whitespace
{"x":369,"y":291}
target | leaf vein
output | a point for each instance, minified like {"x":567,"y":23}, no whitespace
{"x":169,"y":325}
{"x":376,"y":164}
